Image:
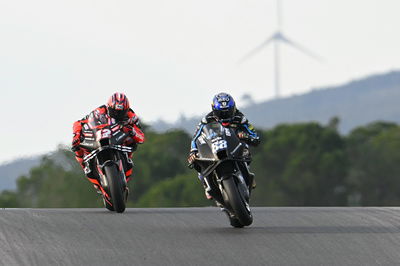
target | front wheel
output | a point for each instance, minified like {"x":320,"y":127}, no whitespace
{"x":237,"y":202}
{"x":235,"y":222}
{"x":116,"y":188}
{"x":108,"y":205}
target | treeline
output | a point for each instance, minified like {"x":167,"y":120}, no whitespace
{"x":296,"y":165}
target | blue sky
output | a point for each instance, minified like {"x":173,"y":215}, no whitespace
{"x":60,"y":59}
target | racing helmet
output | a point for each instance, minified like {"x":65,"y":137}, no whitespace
{"x":223,"y":106}
{"x":118,"y":106}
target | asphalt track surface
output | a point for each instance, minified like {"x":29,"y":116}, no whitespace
{"x":200,"y":236}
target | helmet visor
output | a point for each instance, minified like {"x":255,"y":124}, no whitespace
{"x":224,"y":114}
{"x":118,"y":115}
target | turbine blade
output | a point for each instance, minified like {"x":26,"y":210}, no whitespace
{"x":300,"y":48}
{"x":257,"y":49}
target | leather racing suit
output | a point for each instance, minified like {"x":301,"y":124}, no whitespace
{"x":239,"y":122}
{"x":131,"y":124}
{"x":243,"y":129}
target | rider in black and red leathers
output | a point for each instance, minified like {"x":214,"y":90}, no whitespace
{"x":118,"y":108}
{"x":224,"y":110}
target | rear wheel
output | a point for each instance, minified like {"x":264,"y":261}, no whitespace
{"x":116,"y":188}
{"x":237,"y":202}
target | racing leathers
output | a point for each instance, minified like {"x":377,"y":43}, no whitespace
{"x":244,"y":130}
{"x":239,"y":122}
{"x":130,"y":125}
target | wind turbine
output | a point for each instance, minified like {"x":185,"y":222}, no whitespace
{"x":276,"y":39}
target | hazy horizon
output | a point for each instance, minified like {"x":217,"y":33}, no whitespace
{"x":61,"y":59}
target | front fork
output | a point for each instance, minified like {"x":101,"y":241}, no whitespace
{"x":243,"y":188}
{"x":103,"y":179}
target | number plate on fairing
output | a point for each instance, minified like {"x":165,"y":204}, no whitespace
{"x":103,"y":134}
{"x":219,"y":144}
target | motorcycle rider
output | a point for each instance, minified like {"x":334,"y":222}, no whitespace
{"x":224,"y":110}
{"x":118,"y":108}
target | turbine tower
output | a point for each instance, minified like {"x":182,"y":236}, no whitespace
{"x":276,"y":39}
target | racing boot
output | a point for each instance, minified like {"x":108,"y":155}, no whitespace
{"x":108,"y":205}
{"x":97,"y":189}
{"x":223,"y":209}
{"x":251,"y":176}
{"x":126,"y":194}
{"x":207,"y":188}
{"x":253,"y":183}
{"x":129,"y":168}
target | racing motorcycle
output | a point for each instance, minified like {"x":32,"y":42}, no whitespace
{"x":106,"y":158}
{"x":223,"y":161}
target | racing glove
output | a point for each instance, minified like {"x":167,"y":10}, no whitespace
{"x":192,"y":157}
{"x":131,"y":121}
{"x":130,"y":130}
{"x":254,"y":141}
{"x":243,"y":135}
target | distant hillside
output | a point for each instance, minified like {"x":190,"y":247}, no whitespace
{"x":356,"y":103}
{"x":10,"y":171}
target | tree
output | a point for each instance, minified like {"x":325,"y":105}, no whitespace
{"x":161,"y":157}
{"x":50,"y":185}
{"x":374,"y":154}
{"x":8,"y":199}
{"x":296,"y":165}
{"x":301,"y":165}
{"x":181,"y":191}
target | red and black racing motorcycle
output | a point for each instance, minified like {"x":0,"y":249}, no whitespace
{"x":106,"y":159}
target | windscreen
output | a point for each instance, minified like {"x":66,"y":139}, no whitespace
{"x":98,"y":121}
{"x":213,"y":130}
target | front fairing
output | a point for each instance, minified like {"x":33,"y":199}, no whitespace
{"x":102,"y":130}
{"x":217,"y":144}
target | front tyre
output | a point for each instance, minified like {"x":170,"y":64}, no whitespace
{"x":108,"y":205}
{"x":237,"y":202}
{"x":235,"y":222}
{"x":116,"y":187}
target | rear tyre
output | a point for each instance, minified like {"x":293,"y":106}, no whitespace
{"x":237,"y":202}
{"x":116,"y":188}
